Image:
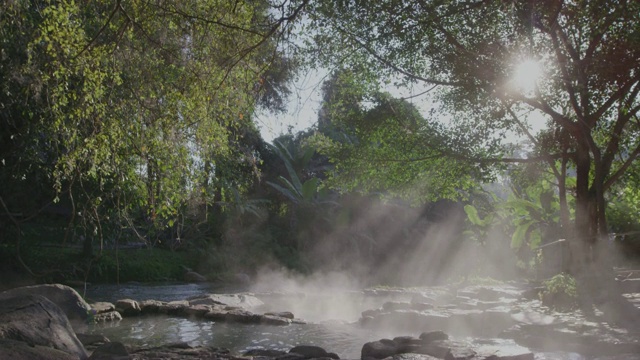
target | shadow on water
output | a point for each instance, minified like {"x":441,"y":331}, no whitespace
{"x":154,"y":291}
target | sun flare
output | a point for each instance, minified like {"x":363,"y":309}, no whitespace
{"x":526,"y":75}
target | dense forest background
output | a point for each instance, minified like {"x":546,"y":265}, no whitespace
{"x":129,"y":149}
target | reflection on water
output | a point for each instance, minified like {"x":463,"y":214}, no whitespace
{"x":344,"y":339}
{"x":161,"y":292}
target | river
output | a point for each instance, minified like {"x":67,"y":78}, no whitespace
{"x":332,"y":315}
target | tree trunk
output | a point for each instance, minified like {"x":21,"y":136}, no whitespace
{"x":565,"y":217}
{"x":581,"y":237}
{"x":591,"y":265}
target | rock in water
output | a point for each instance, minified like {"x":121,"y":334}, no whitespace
{"x":128,"y":307}
{"x":66,"y":298}
{"x":35,"y":320}
{"x":428,"y":337}
{"x":246,"y":301}
{"x":379,"y":349}
{"x":311,"y":351}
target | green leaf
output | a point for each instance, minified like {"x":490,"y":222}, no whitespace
{"x":519,"y":235}
{"x":308,"y":154}
{"x":284,"y":191}
{"x":297,"y":191}
{"x":472,"y":215}
{"x":310,"y":189}
{"x":295,"y":180}
{"x":535,"y":238}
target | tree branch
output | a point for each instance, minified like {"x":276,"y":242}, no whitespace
{"x":614,"y":141}
{"x":476,"y":160}
{"x":392,"y":66}
{"x":616,"y":175}
{"x":90,"y":43}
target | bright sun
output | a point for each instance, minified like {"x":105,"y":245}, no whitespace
{"x":525,"y":76}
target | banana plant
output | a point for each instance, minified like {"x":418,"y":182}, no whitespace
{"x":481,"y":226}
{"x":307,"y":192}
{"x":533,"y":212}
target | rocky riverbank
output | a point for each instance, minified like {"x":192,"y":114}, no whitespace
{"x":45,"y":322}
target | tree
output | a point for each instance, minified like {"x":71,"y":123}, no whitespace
{"x":588,"y":54}
{"x":389,"y":148}
{"x":131,"y":104}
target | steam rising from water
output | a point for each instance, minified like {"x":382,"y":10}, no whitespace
{"x":384,"y":244}
{"x":318,"y":297}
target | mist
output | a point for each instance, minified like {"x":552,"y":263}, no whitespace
{"x":383,"y":245}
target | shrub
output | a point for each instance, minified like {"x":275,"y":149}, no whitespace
{"x":560,"y":292}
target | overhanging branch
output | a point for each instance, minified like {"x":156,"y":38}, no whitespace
{"x":480,"y":160}
{"x":392,"y":66}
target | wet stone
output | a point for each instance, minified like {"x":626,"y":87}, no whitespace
{"x":151,"y":306}
{"x":196,"y":310}
{"x":243,"y":316}
{"x":460,"y":354}
{"x":431,"y":336}
{"x":216,"y":315}
{"x":181,"y":351}
{"x":128,"y":307}
{"x":432,"y":350}
{"x":107,"y":316}
{"x":310,"y":351}
{"x":290,"y":356}
{"x":274,"y":320}
{"x":371,"y":313}
{"x":379,"y":349}
{"x":102,"y":307}
{"x":264,"y":353}
{"x":174,"y":308}
{"x":411,"y":356}
{"x":403,"y":340}
{"x":284,"y":314}
{"x":91,"y":339}
{"x":503,"y":354}
{"x":396,"y":305}
{"x":110,"y":351}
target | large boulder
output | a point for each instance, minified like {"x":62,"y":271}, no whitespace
{"x":35,"y":320}
{"x":111,"y":351}
{"x":64,"y":297}
{"x":12,"y":349}
{"x":182,"y":351}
